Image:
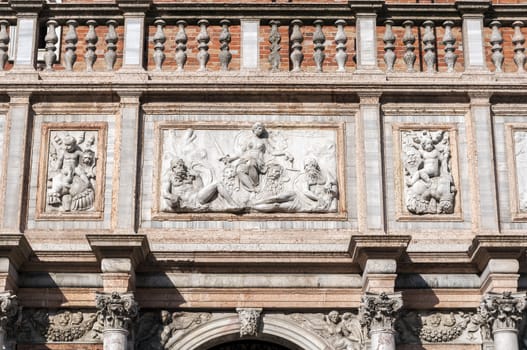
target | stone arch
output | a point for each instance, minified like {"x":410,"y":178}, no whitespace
{"x":272,"y":326}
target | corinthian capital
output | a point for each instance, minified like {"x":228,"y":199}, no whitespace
{"x":117,"y":309}
{"x":502,"y":311}
{"x":9,"y":309}
{"x":378,"y":312}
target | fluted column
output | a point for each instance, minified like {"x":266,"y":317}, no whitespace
{"x":500,"y":316}
{"x":378,"y":313}
{"x":9,"y":310}
{"x":118,"y":310}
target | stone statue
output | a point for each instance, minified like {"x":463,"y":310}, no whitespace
{"x":259,"y":176}
{"x":429,"y":184}
{"x":72,"y":171}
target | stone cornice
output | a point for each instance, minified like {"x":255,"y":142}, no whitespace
{"x":473,"y":7}
{"x":16,"y":248}
{"x":134,"y":247}
{"x":26,"y":6}
{"x":366,"y":6}
{"x":363,"y":248}
{"x":486,"y":247}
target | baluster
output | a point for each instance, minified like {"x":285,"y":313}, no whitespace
{"x":389,"y":47}
{"x":181,"y":45}
{"x":203,"y":39}
{"x":274,"y":40}
{"x":340,"y":38}
{"x":518,"y":40}
{"x":91,"y":40}
{"x":449,"y":40}
{"x":496,"y":40}
{"x":51,"y":41}
{"x":111,"y":44}
{"x":225,"y":40}
{"x":429,"y":41}
{"x":296,"y":47}
{"x":4,"y":44}
{"x":409,"y":40}
{"x":318,"y":40}
{"x":71,"y":40}
{"x":159,"y":44}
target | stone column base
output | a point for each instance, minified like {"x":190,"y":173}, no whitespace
{"x":115,"y":339}
{"x":506,"y":339}
{"x":382,"y":340}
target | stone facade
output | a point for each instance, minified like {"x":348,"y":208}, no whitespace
{"x":303,"y":175}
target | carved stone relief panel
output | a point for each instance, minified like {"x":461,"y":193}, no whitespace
{"x":71,"y":171}
{"x":517,"y":156}
{"x":428,"y":183}
{"x":248,"y":171}
{"x":424,"y":327}
{"x":39,"y":326}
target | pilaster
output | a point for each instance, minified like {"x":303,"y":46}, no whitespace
{"x":366,"y":24}
{"x":134,"y":29}
{"x":481,"y":151}
{"x":14,"y":189}
{"x":119,"y":255}
{"x":369,"y":155}
{"x":472,"y":12}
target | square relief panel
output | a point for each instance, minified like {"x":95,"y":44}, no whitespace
{"x":427,"y":181}
{"x":216,"y":171}
{"x":71,"y":171}
{"x":517,"y":163}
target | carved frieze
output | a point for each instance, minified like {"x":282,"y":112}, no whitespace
{"x":438,"y":327}
{"x":160,"y":330}
{"x":43,"y":326}
{"x":71,"y":171}
{"x":343,"y":331}
{"x":218,"y":169}
{"x":428,"y":184}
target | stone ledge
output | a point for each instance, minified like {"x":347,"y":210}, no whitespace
{"x":485,"y":247}
{"x":133,"y":247}
{"x":363,"y":248}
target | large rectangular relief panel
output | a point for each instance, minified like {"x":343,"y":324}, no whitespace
{"x":71,"y":169}
{"x":216,"y":171}
{"x":427,"y":184}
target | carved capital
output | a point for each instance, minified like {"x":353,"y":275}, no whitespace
{"x":9,"y":309}
{"x":117,"y":309}
{"x":249,"y":321}
{"x":501,"y":311}
{"x":378,"y":312}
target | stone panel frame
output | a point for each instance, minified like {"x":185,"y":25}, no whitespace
{"x":4,"y":139}
{"x":402,"y":214}
{"x":510,"y":129}
{"x":341,"y":213}
{"x":47,"y":129}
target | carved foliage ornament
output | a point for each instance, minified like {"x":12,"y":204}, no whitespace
{"x":429,"y":186}
{"x":378,"y":312}
{"x":214,"y":169}
{"x":249,"y":321}
{"x":342,"y":331}
{"x":116,"y":310}
{"x":160,"y":331}
{"x":501,"y":311}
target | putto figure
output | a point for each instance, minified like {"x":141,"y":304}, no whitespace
{"x":429,"y":184}
{"x":72,"y":171}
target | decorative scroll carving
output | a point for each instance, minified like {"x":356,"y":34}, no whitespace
{"x":91,"y":40}
{"x":4,"y":44}
{"x":111,"y":44}
{"x":72,"y":170}
{"x":71,"y":39}
{"x":249,"y":321}
{"x":296,"y":45}
{"x":117,"y":310}
{"x":520,"y":157}
{"x":38,"y":326}
{"x":181,"y":45}
{"x":318,"y":40}
{"x":342,"y":331}
{"x":429,"y":184}
{"x":378,"y":312}
{"x":438,"y":327}
{"x":261,"y":175}
{"x":409,"y":40}
{"x":449,"y":40}
{"x":159,"y":44}
{"x":389,"y":46}
{"x":225,"y":55}
{"x":159,"y":331}
{"x":496,"y":40}
{"x":51,"y":39}
{"x":340,"y":38}
{"x":518,"y":39}
{"x":274,"y":41}
{"x":203,"y":39}
{"x":501,"y":312}
{"x":429,"y":41}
